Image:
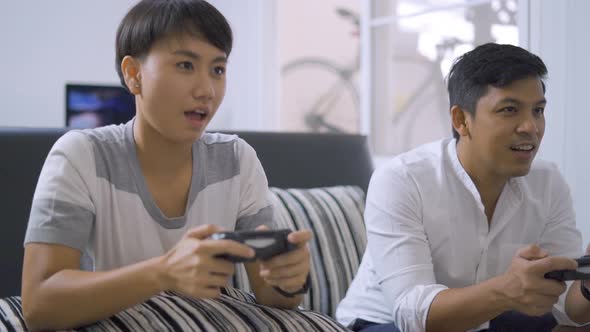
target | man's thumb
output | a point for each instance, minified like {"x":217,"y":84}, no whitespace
{"x":532,"y":252}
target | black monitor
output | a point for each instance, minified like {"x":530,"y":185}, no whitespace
{"x":90,"y":106}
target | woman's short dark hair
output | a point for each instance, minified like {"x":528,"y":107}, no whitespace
{"x":151,"y":20}
{"x":490,"y":65}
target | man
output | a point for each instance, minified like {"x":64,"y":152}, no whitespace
{"x":462,"y":231}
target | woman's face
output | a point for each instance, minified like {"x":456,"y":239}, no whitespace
{"x":182,"y":84}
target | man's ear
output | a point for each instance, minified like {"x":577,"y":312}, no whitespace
{"x":130,"y":67}
{"x":460,"y":119}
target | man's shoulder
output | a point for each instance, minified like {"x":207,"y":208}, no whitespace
{"x":424,"y":158}
{"x":421,"y":167}
{"x":544,"y":176}
{"x":542,"y":169}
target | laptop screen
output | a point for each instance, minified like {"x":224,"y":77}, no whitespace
{"x":91,"y":106}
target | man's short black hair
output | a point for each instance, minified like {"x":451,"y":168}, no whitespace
{"x":490,"y":65}
{"x":151,"y":20}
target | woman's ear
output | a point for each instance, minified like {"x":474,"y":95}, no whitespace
{"x":130,"y":68}
{"x":460,"y":120}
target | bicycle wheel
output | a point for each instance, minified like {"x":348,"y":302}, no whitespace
{"x":318,"y":96}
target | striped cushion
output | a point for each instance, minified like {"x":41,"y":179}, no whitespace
{"x":335,"y":215}
{"x":234,"y":310}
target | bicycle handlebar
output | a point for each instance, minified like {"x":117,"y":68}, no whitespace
{"x":349,"y":14}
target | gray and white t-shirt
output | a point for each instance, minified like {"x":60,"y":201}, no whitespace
{"x":92,"y":196}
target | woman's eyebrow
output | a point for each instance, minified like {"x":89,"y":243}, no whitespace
{"x":196,"y":56}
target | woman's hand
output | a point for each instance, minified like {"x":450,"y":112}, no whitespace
{"x":288,"y":271}
{"x":193,"y":269}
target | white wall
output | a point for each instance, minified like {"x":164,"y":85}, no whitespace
{"x":44,"y":44}
{"x":558,"y":33}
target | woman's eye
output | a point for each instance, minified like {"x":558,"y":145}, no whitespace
{"x":185,"y":65}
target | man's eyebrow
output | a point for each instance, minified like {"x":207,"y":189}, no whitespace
{"x":509,"y":100}
{"x":196,"y":56}
{"x":542,"y":101}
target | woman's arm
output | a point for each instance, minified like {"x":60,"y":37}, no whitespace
{"x":57,"y":295}
{"x":288,"y":271}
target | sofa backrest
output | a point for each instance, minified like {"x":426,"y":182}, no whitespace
{"x":335,"y":216}
{"x":290,"y":160}
{"x":298,"y":160}
{"x":23,"y":152}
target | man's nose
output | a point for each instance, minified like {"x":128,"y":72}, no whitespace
{"x":529,"y":124}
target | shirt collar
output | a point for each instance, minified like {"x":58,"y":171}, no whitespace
{"x":451,"y":149}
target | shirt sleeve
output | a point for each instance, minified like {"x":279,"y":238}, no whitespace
{"x":62,"y":211}
{"x":398,"y":244}
{"x":560,"y":236}
{"x":255,"y":208}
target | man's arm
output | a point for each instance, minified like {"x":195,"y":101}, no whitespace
{"x":57,"y":295}
{"x":561,"y":237}
{"x":576,"y":306}
{"x":522,"y":288}
{"x":460,"y":309}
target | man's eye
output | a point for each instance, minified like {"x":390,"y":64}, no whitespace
{"x":539,"y":110}
{"x":185,"y":65}
{"x":219,"y":70}
{"x":508,"y":109}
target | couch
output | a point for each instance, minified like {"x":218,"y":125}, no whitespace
{"x":317,"y":181}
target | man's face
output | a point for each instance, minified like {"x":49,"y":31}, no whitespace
{"x":182,"y":86}
{"x":506,"y":131}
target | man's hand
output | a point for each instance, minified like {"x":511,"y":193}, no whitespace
{"x":191,"y":267}
{"x":587,"y":282}
{"x":526,"y":288}
{"x":288,"y":271}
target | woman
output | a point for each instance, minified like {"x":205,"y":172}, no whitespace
{"x":122,"y":213}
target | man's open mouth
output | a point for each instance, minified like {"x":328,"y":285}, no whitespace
{"x":523,"y":147}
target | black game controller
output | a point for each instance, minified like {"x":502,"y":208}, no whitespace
{"x":581,"y":273}
{"x":266,"y":244}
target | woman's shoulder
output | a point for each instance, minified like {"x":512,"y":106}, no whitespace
{"x":228,"y":145}
{"x":77,"y":138}
{"x":91,"y":150}
{"x":211,"y":138}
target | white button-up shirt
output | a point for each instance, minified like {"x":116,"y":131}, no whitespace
{"x":427,"y":231}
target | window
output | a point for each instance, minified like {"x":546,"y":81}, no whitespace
{"x":408,"y":49}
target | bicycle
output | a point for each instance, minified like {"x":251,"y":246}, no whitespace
{"x":429,"y":94}
{"x":335,"y":107}
{"x":334,"y":110}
